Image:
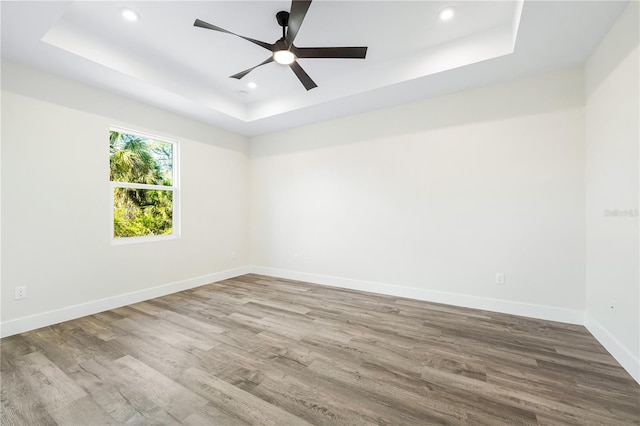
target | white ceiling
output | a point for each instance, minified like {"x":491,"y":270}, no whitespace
{"x":165,"y":61}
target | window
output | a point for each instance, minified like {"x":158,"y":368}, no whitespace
{"x":143,"y":175}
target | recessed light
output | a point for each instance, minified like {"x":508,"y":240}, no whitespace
{"x":129,"y":14}
{"x":242,"y":93}
{"x":252,"y":85}
{"x":447,"y":13}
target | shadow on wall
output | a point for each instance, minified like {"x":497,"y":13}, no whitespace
{"x":541,"y":94}
{"x":618,"y":53}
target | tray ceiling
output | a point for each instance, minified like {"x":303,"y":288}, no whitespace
{"x":163,"y":60}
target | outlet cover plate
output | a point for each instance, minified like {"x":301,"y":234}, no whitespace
{"x":20,"y":292}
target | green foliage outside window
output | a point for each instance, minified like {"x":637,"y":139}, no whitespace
{"x":136,"y":160}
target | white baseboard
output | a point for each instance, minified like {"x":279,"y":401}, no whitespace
{"x":620,"y":352}
{"x":550,"y":313}
{"x":20,"y":325}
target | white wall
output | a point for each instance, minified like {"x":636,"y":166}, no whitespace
{"x":56,"y":203}
{"x":612,"y":183}
{"x":431,"y":199}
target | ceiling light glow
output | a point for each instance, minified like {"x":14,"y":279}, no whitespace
{"x":252,"y":85}
{"x":129,"y":14}
{"x":447,"y":13}
{"x":284,"y":57}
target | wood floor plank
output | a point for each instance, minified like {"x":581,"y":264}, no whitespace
{"x":84,"y":411}
{"x":266,"y":351}
{"x":54,"y":388}
{"x":102,"y":385}
{"x":185,"y":321}
{"x":20,"y":403}
{"x":231,"y":399}
{"x":165,"y":331}
{"x":149,"y":386}
{"x":211,"y":415}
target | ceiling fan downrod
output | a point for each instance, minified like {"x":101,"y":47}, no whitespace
{"x":283,"y":20}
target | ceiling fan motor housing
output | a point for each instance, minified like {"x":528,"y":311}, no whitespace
{"x":283,"y":18}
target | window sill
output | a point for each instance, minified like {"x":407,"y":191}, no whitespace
{"x":147,"y":239}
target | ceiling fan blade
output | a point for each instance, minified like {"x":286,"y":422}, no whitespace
{"x":330,"y":52}
{"x":296,"y":16}
{"x":302,"y":76}
{"x":202,"y":24}
{"x":247,"y":71}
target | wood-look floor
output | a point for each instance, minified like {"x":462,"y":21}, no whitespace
{"x":258,"y":350}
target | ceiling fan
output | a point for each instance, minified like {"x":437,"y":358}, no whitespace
{"x":283,"y":51}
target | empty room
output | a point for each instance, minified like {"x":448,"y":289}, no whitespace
{"x":320,"y":212}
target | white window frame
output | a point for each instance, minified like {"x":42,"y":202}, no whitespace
{"x":175,"y":188}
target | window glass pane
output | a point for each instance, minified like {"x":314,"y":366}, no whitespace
{"x":142,"y":212}
{"x":134,"y":159}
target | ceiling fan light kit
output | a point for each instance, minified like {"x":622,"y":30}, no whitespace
{"x":284,"y":57}
{"x":284,"y":52}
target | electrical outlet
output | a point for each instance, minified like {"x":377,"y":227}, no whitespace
{"x":21,"y":292}
{"x":233,"y":255}
{"x":500,"y":278}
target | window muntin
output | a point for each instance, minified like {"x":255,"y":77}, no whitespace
{"x":143,"y":175}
